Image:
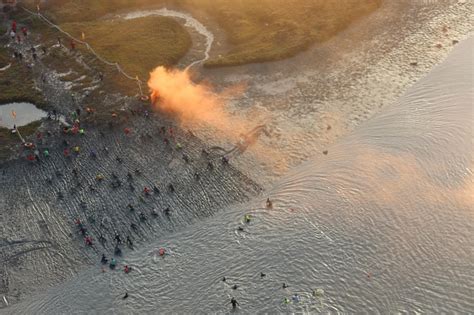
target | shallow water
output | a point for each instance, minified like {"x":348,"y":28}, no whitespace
{"x":339,"y":83}
{"x":25,"y":113}
{"x":385,"y":223}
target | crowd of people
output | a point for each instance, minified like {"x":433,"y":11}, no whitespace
{"x":72,"y":131}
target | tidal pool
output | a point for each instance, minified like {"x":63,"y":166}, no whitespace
{"x":19,"y":114}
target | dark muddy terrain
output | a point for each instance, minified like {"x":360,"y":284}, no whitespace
{"x":102,"y":186}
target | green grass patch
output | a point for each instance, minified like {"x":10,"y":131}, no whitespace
{"x":8,"y":140}
{"x":29,"y":129}
{"x":138,"y":45}
{"x":16,"y":83}
{"x":267,"y":30}
{"x":3,"y":29}
{"x":257,"y":31}
{"x":63,"y":11}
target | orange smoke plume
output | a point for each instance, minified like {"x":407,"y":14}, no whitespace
{"x":173,"y":91}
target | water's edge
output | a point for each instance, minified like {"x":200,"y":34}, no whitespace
{"x":384,"y":225}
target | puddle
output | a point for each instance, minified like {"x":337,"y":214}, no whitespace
{"x":19,"y":114}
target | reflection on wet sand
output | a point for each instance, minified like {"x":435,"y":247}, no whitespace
{"x":383,"y":225}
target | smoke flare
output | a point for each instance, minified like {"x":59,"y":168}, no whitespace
{"x":174,"y":92}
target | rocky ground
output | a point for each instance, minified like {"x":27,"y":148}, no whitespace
{"x":40,"y":241}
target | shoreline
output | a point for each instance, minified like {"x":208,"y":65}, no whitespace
{"x":40,"y":243}
{"x":308,"y":104}
{"x":332,"y":236}
{"x":267,"y":96}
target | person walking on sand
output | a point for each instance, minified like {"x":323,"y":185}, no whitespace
{"x":234,"y":303}
{"x":88,"y":241}
{"x":296,"y":298}
{"x":129,"y":241}
{"x":104,"y":260}
{"x":269,"y":204}
{"x":113,"y":263}
{"x":118,"y":239}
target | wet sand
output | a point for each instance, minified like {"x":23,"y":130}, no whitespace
{"x":40,"y":244}
{"x":384,"y":226}
{"x":296,"y":101}
{"x":310,"y":101}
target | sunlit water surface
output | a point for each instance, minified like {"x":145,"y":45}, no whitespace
{"x":19,"y":114}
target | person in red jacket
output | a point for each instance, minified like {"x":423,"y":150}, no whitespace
{"x":88,"y":240}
